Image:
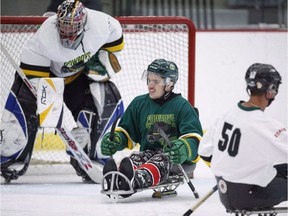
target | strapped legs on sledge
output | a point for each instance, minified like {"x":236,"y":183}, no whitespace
{"x":129,"y":178}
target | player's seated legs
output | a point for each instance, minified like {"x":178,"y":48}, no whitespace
{"x":151,"y":173}
{"x":139,"y":158}
{"x":236,"y":196}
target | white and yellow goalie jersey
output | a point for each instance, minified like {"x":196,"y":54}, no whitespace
{"x":44,"y":53}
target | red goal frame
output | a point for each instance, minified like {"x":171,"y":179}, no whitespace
{"x":22,"y":20}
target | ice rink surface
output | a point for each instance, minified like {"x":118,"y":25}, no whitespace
{"x":65,"y":195}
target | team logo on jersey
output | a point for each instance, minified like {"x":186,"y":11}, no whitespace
{"x":76,"y":65}
{"x":277,"y":134}
{"x":166,"y":118}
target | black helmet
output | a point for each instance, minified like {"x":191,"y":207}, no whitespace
{"x":165,"y":69}
{"x":261,"y":78}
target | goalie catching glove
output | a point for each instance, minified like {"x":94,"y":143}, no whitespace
{"x":178,"y":151}
{"x":110,"y":147}
{"x":102,"y":66}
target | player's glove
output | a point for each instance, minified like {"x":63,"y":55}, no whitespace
{"x":178,"y":151}
{"x":109,"y":147}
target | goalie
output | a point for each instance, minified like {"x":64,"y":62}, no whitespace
{"x":160,"y":108}
{"x":74,"y":53}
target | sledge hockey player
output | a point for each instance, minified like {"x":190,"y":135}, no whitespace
{"x":80,"y":46}
{"x":169,"y":111}
{"x":247,"y":150}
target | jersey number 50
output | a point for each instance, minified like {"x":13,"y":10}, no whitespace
{"x":232,"y":141}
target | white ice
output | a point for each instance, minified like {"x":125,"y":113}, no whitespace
{"x":66,"y":195}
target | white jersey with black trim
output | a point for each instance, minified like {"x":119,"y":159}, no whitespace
{"x":46,"y":50}
{"x":245,"y":144}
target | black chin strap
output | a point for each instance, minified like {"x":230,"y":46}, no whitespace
{"x":167,"y":93}
{"x":270,"y":100}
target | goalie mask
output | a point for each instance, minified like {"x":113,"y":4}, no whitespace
{"x":71,"y":20}
{"x":166,"y":69}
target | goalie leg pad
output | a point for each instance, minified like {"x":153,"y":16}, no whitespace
{"x":13,"y":129}
{"x":109,"y":105}
{"x":82,"y":132}
{"x":51,"y":110}
{"x":18,"y":129}
{"x":50,"y":102}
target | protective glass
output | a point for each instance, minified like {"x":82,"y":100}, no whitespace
{"x":163,"y":81}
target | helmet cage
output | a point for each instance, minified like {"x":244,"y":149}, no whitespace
{"x":71,"y":21}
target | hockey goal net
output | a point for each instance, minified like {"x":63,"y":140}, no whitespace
{"x":146,"y":38}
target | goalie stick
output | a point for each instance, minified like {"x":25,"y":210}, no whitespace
{"x":94,"y":171}
{"x":167,"y":140}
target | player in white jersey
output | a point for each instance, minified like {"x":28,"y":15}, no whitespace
{"x":247,"y":150}
{"x":81,"y":46}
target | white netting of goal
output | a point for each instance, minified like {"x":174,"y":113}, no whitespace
{"x":146,"y":39}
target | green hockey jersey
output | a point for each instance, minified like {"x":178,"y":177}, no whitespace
{"x":176,"y":117}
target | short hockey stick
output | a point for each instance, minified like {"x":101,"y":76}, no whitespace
{"x":167,"y":140}
{"x":112,"y":131}
{"x":201,"y":201}
{"x":94,"y":171}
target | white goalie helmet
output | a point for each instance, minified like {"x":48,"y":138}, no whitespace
{"x":71,"y":21}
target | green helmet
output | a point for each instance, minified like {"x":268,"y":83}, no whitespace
{"x":165,"y":69}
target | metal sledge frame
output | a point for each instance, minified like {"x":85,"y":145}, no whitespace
{"x":166,"y":188}
{"x":263,"y":212}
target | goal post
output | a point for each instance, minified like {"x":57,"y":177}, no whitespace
{"x":146,"y":39}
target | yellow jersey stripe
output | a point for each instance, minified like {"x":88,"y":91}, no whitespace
{"x":35,"y":73}
{"x":71,"y":78}
{"x":114,"y":46}
{"x":191,"y":135}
